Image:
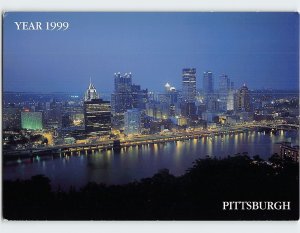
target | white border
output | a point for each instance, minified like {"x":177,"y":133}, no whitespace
{"x":149,"y":5}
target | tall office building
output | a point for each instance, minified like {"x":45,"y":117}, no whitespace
{"x":139,"y":97}
{"x":167,"y":101}
{"x":173,"y":106}
{"x":123,"y":82}
{"x":189,"y":92}
{"x":189,"y":85}
{"x":230,"y":100}
{"x":132,"y":121}
{"x":224,"y":88}
{"x":224,"y":84}
{"x":97,"y":114}
{"x":122,"y":99}
{"x":173,"y":95}
{"x":208,"y":85}
{"x":211,"y":99}
{"x":170,"y":96}
{"x":243,"y":99}
{"x":91,"y":92}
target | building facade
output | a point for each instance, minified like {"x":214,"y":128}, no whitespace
{"x":91,"y":93}
{"x":132,"y":122}
{"x":32,"y":120}
{"x":97,"y":117}
{"x":243,"y":101}
{"x":189,"y":85}
{"x":224,"y":88}
{"x":97,"y":114}
{"x":122,"y":98}
{"x":208,"y":85}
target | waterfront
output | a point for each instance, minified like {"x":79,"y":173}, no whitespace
{"x":136,"y":162}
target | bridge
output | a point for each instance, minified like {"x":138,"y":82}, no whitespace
{"x":277,"y":126}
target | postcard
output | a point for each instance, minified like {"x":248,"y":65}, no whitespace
{"x":150,"y":116}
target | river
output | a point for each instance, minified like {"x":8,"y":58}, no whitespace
{"x":138,"y":162}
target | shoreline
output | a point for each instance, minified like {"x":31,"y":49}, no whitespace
{"x":109,"y":144}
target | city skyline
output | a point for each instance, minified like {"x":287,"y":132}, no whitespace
{"x":150,"y":116}
{"x":152,"y":49}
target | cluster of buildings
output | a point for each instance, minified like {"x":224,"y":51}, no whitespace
{"x":133,"y":110}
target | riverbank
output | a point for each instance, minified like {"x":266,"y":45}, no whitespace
{"x":110,"y":144}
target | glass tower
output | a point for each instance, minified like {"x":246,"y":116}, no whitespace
{"x":189,"y":85}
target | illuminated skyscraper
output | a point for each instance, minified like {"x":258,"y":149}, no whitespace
{"x":208,"y":85}
{"x":210,"y":98}
{"x":230,"y":100}
{"x":243,"y":99}
{"x":139,"y":97}
{"x":91,"y":93}
{"x":173,"y":95}
{"x":224,"y":84}
{"x":123,"y":82}
{"x":122,"y":97}
{"x":97,"y":114}
{"x":170,"y":95}
{"x":189,"y":85}
{"x":97,"y":117}
{"x":224,"y":88}
{"x":187,"y":106}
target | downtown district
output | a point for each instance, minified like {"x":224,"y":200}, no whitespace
{"x":43,"y":120}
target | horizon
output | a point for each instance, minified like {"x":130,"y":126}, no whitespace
{"x":156,"y":91}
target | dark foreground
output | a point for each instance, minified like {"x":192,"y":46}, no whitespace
{"x":197,"y":195}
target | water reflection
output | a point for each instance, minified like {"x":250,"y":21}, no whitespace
{"x":133,"y":163}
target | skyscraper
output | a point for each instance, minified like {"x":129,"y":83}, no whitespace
{"x":122,"y":96}
{"x":208,"y":85}
{"x":97,"y":113}
{"x":91,"y":93}
{"x":139,"y":97}
{"x":173,"y":95}
{"x":224,"y":84}
{"x":123,"y":82}
{"x":210,"y":98}
{"x":224,"y":88}
{"x":230,"y":100}
{"x":243,"y":99}
{"x":189,"y":92}
{"x":189,"y":85}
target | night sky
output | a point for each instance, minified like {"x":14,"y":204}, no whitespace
{"x":259,"y":49}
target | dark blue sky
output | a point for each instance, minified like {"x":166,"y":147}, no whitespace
{"x":259,"y":49}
